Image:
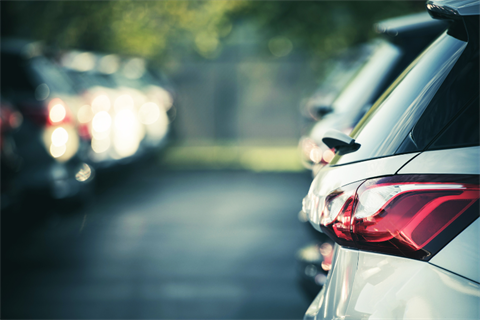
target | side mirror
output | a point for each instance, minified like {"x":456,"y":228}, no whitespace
{"x":341,"y":142}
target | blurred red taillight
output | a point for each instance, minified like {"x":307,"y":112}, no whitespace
{"x":54,"y":113}
{"x":405,"y":215}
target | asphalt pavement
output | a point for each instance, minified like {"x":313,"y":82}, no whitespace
{"x":161,"y":245}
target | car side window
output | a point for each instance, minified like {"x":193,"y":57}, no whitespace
{"x":463,"y":131}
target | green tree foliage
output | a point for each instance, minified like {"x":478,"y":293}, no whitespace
{"x":324,"y":27}
{"x":145,"y":28}
{"x":175,"y":29}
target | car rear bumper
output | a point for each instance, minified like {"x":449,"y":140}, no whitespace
{"x":364,"y":285}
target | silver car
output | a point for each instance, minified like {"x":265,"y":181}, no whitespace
{"x":401,"y":196}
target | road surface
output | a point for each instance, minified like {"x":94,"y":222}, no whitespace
{"x":163,"y":245}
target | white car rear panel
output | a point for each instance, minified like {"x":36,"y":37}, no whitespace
{"x":462,"y":255}
{"x":448,"y":161}
{"x":380,"y":286}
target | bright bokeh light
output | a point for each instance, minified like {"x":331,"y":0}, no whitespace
{"x":57,"y":113}
{"x":101,"y":103}
{"x":307,"y":145}
{"x":101,"y":122}
{"x":59,"y":137}
{"x":83,"y":62}
{"x":125,"y":121}
{"x":163,"y":96}
{"x":84,"y":173}
{"x":316,"y":155}
{"x":127,"y":133}
{"x":109,"y":64}
{"x":328,"y":155}
{"x":100,"y":146}
{"x":61,"y":142}
{"x":326,"y":249}
{"x":157,"y":130}
{"x":125,"y":101}
{"x":57,"y":151}
{"x":149,"y":113}
{"x":84,"y":114}
{"x":326,"y":266}
{"x":134,"y":68}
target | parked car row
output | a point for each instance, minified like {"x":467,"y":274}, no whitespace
{"x":71,"y":113}
{"x":400,"y":196}
{"x":400,"y":41}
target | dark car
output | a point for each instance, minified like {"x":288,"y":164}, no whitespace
{"x":10,"y":121}
{"x":47,"y":141}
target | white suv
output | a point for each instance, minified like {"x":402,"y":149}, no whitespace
{"x":401,"y":196}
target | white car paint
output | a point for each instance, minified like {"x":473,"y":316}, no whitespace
{"x":365,"y":285}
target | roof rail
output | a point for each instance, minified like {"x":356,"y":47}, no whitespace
{"x":451,"y":9}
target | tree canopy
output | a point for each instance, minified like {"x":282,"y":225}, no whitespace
{"x":173,"y":29}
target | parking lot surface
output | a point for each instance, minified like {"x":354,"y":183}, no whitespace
{"x":163,"y":244}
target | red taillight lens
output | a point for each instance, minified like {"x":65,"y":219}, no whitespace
{"x":55,"y":113}
{"x":406,"y":215}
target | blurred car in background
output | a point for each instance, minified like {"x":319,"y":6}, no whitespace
{"x":401,"y":196}
{"x":100,"y":92}
{"x":313,"y":262}
{"x":126,"y":113}
{"x":41,"y":152}
{"x":152,"y":100}
{"x":339,"y":71}
{"x":403,"y":39}
{"x":10,"y":120}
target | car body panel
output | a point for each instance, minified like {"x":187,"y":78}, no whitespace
{"x":448,"y":161}
{"x":465,"y":248}
{"x":341,"y":175}
{"x":332,"y":301}
{"x":389,"y":287}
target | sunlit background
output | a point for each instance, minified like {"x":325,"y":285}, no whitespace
{"x":151,"y":157}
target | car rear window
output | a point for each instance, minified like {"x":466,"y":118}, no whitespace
{"x":460,"y":88}
{"x":464,"y":131}
{"x":433,"y":91}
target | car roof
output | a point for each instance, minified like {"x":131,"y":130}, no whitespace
{"x":418,"y":23}
{"x":22,"y":47}
{"x":455,"y":7}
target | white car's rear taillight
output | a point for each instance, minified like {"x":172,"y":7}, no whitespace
{"x":406,"y":215}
